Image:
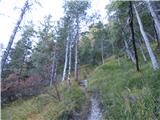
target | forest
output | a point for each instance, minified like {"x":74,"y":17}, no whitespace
{"x":82,"y":68}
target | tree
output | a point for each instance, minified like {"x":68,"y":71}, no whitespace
{"x":132,"y":32}
{"x":151,"y":54}
{"x":67,"y":26}
{"x":86,"y":49}
{"x":53,"y":69}
{"x":76,"y":10}
{"x":118,"y":32}
{"x":6,"y":53}
{"x":20,"y":55}
{"x":71,"y":38}
{"x":128,"y":51}
{"x":156,"y":22}
{"x":42,"y":53}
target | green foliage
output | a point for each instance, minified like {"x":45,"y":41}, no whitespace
{"x":76,"y":8}
{"x":126,"y":94}
{"x":45,"y":106}
{"x":19,"y":56}
{"x":41,"y":54}
{"x":93,"y":42}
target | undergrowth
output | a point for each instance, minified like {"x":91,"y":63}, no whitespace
{"x":45,"y":106}
{"x":125,"y":93}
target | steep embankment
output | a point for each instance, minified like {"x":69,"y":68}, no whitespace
{"x":126,"y":94}
{"x":45,"y":106}
{"x":123,"y":93}
{"x":74,"y":104}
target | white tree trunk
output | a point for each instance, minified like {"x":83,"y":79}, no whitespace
{"x":6,"y":53}
{"x":141,"y":49}
{"x":155,"y":18}
{"x":76,"y":49}
{"x":129,"y":53}
{"x":66,"y":60}
{"x":53,"y":70}
{"x":70,"y":63}
{"x":151,"y":54}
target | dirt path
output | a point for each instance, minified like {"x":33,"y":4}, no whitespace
{"x":95,"y":111}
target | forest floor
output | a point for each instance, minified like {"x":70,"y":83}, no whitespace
{"x":123,"y":93}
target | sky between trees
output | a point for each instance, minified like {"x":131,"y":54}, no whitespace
{"x":10,"y":10}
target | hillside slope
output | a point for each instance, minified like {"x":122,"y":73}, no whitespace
{"x":126,"y":94}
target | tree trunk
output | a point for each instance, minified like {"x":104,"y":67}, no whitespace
{"x":102,"y":51}
{"x":6,"y":53}
{"x":156,"y":22}
{"x":113,"y":48}
{"x":1,"y":47}
{"x":129,"y":53}
{"x":132,"y":32}
{"x":76,"y":49}
{"x":70,"y":63}
{"x":157,"y":36}
{"x":66,"y":60}
{"x":151,"y":54}
{"x":53,"y":66}
{"x":54,"y":73}
{"x":141,"y":49}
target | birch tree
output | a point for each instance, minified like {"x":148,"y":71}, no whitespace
{"x":53,"y":69}
{"x":70,"y":59}
{"x":6,"y":53}
{"x":128,"y":51}
{"x":67,"y":24}
{"x":76,"y":10}
{"x":156,"y":21}
{"x":146,"y":40}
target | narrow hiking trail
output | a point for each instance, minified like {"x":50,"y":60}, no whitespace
{"x":95,"y":110}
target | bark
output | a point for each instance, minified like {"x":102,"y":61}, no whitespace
{"x":66,"y":60}
{"x":133,"y":38}
{"x":129,"y":53}
{"x":76,"y":49}
{"x":53,"y":70}
{"x":102,"y":51}
{"x":157,"y":36}
{"x":6,"y":53}
{"x":141,"y":49}
{"x":70,"y":63}
{"x":156,"y":22}
{"x":54,"y":73}
{"x":146,"y":40}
